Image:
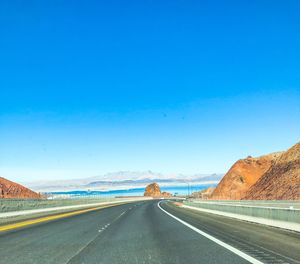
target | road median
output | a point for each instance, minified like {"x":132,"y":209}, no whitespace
{"x":16,"y":219}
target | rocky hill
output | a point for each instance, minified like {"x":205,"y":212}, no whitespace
{"x":9,"y":189}
{"x":281,"y":181}
{"x":153,"y":190}
{"x":203,"y":194}
{"x":241,"y":176}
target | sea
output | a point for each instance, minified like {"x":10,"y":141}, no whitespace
{"x":174,"y":190}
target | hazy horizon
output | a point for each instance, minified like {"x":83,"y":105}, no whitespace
{"x":91,"y":88}
{"x":104,"y":176}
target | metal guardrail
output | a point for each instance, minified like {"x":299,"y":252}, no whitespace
{"x":282,"y":214}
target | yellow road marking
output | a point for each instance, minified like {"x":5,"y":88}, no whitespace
{"x":50,"y":218}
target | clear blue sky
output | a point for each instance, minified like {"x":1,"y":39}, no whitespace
{"x":89,"y":87}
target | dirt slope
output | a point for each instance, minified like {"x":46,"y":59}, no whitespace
{"x":204,"y":194}
{"x":281,"y":181}
{"x":241,"y":176}
{"x":9,"y":189}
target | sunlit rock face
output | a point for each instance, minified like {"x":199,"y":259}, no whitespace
{"x":166,"y":194}
{"x":9,"y":189}
{"x":153,"y":190}
{"x":281,"y":181}
{"x":203,"y":194}
{"x":242,"y":176}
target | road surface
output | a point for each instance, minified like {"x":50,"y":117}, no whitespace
{"x":142,"y":232}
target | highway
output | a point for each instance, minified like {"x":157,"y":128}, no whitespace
{"x":145,"y":232}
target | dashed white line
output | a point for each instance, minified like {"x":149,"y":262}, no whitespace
{"x":103,"y":228}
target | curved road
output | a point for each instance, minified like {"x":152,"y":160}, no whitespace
{"x":142,"y":232}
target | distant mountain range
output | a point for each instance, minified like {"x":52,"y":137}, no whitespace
{"x":123,"y":180}
{"x":269,"y":177}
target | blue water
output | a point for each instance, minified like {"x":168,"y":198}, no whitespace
{"x":175,"y":190}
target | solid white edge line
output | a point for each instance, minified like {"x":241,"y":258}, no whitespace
{"x":217,"y":241}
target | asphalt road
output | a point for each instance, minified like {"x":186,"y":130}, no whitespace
{"x":142,"y":233}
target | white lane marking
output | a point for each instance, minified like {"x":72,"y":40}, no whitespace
{"x":217,"y":241}
{"x":99,"y":233}
{"x":104,"y":227}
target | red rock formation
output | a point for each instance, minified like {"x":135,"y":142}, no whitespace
{"x":9,"y":189}
{"x":153,"y":190}
{"x":281,"y":181}
{"x":241,"y":176}
{"x":203,"y":194}
{"x":166,"y":194}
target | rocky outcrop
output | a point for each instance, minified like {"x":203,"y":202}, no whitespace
{"x":203,"y":194}
{"x":166,"y":194}
{"x":9,"y":189}
{"x":281,"y":181}
{"x":153,"y":190}
{"x":241,"y":176}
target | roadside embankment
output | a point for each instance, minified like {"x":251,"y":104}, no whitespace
{"x":284,"y":215}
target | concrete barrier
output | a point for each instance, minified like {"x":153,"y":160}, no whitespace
{"x":19,"y":215}
{"x":287,"y":218}
{"x":12,"y":205}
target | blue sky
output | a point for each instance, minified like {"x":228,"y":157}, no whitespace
{"x":89,"y":87}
